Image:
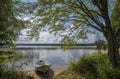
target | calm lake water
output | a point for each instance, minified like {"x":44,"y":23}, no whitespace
{"x":55,"y":57}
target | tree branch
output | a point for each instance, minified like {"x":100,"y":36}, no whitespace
{"x":90,"y":15}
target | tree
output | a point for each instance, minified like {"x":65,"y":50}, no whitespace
{"x":115,"y":19}
{"x":9,"y":24}
{"x":101,"y":44}
{"x":81,"y":14}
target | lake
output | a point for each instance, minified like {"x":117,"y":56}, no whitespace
{"x":56,"y":57}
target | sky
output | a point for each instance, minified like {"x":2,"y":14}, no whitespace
{"x":29,"y":0}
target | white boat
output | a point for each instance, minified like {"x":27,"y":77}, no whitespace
{"x":42,"y":67}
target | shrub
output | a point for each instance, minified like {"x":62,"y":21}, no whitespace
{"x":113,"y":73}
{"x":85,"y":67}
{"x":101,"y":44}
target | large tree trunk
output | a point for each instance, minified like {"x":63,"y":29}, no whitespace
{"x":113,"y":49}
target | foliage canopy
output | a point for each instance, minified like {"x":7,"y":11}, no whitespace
{"x":9,"y":23}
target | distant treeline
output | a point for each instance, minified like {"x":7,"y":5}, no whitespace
{"x":38,"y":44}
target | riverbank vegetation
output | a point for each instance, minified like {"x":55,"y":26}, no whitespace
{"x":92,"y":66}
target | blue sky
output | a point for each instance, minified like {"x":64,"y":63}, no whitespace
{"x":29,"y":0}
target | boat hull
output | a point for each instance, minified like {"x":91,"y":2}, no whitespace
{"x":43,"y":68}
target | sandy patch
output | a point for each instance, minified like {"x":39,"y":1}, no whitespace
{"x":56,"y":71}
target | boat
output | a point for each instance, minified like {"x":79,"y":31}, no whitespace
{"x":42,"y":67}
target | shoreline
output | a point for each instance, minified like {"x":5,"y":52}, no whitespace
{"x":56,"y":72}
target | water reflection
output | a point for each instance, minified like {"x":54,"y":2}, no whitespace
{"x":55,"y":57}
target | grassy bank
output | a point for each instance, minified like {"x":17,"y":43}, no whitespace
{"x":92,"y":66}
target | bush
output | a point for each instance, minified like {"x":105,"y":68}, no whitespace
{"x":113,"y":73}
{"x":92,"y":66}
{"x":84,"y":66}
{"x":101,"y":44}
{"x":89,"y":65}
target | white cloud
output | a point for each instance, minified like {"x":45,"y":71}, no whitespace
{"x":43,"y":37}
{"x":47,"y":37}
